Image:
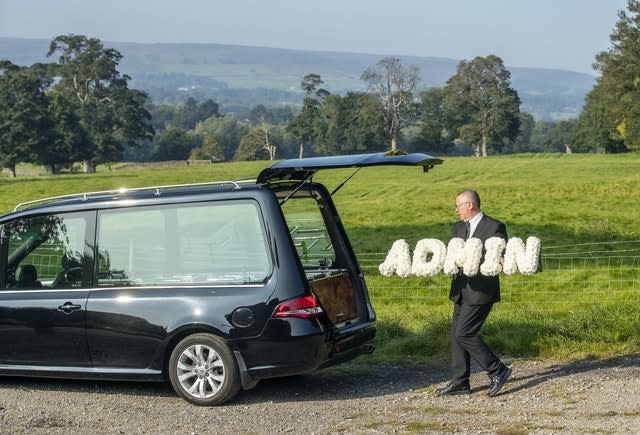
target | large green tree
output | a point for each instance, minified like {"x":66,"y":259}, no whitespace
{"x":483,"y":108}
{"x":394,"y":85}
{"x":433,"y":135}
{"x":65,"y":144}
{"x":611,"y":116}
{"x":26,"y":124}
{"x":110,"y":114}
{"x":596,"y":127}
{"x":302,"y":126}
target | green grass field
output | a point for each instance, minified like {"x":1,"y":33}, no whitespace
{"x":584,"y":208}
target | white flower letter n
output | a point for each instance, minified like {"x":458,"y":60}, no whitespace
{"x":516,"y":257}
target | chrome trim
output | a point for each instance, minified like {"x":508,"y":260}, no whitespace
{"x":92,"y":289}
{"x":157,"y":191}
{"x":79,"y":369}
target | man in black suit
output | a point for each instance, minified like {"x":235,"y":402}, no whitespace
{"x":473,"y":298}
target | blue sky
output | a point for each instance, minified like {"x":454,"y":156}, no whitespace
{"x":559,"y":34}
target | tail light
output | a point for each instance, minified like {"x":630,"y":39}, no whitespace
{"x":305,"y":307}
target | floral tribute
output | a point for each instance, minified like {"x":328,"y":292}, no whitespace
{"x":432,"y":257}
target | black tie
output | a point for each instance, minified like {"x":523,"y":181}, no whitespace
{"x":467,"y":230}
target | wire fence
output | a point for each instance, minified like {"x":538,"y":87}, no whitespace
{"x":597,"y":272}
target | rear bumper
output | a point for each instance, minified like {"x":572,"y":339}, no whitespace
{"x":307,"y":347}
{"x":351,"y":344}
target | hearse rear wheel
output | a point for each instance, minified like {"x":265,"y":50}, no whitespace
{"x":203,"y":370}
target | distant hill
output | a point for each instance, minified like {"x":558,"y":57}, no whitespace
{"x":238,"y":77}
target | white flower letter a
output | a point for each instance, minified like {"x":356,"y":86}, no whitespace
{"x":398,"y":260}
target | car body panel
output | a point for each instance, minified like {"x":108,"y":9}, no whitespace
{"x":34,"y":329}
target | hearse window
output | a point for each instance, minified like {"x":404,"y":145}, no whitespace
{"x":213,"y":243}
{"x":45,"y":251}
{"x":309,"y":233}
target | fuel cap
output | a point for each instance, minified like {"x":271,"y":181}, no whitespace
{"x":242,"y":317}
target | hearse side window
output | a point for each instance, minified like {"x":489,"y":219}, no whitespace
{"x":212,"y":243}
{"x":45,"y":251}
{"x":309,"y":233}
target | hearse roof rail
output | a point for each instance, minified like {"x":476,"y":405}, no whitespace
{"x":156,"y":189}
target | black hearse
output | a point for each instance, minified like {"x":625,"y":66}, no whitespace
{"x":213,"y":286}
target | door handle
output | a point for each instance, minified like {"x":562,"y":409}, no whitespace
{"x":69,"y":307}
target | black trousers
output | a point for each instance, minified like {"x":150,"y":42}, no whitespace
{"x":466,"y":343}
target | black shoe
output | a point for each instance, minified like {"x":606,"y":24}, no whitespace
{"x":498,"y":381}
{"x":453,"y":390}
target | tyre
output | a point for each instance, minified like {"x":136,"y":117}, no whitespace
{"x":203,"y":370}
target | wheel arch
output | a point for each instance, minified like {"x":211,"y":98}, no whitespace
{"x":182,"y":333}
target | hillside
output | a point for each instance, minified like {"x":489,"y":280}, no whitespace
{"x":239,"y":77}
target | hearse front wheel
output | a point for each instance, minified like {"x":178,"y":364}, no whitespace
{"x":203,"y":371}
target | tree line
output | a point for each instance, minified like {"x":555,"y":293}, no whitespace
{"x":81,"y":109}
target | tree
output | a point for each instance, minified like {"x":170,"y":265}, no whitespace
{"x":561,"y":136}
{"x":523,"y":141}
{"x":433,"y":135}
{"x":550,"y":136}
{"x":353,"y":123}
{"x":226,"y":130}
{"x":162,"y":115}
{"x":302,"y":126}
{"x":365,"y":126}
{"x":270,"y":115}
{"x":110,"y":114}
{"x":482,"y":107}
{"x":26,"y":125}
{"x":596,"y":126}
{"x":257,"y":144}
{"x":209,"y":150}
{"x":329,"y":129}
{"x":394,"y":85}
{"x":611,"y":115}
{"x":64,"y":145}
{"x":174,"y":144}
{"x":192,"y":112}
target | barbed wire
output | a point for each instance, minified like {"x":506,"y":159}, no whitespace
{"x":578,"y":277}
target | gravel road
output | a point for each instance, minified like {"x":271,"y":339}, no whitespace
{"x":600,"y":396}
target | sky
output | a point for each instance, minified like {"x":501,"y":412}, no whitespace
{"x":555,"y":34}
